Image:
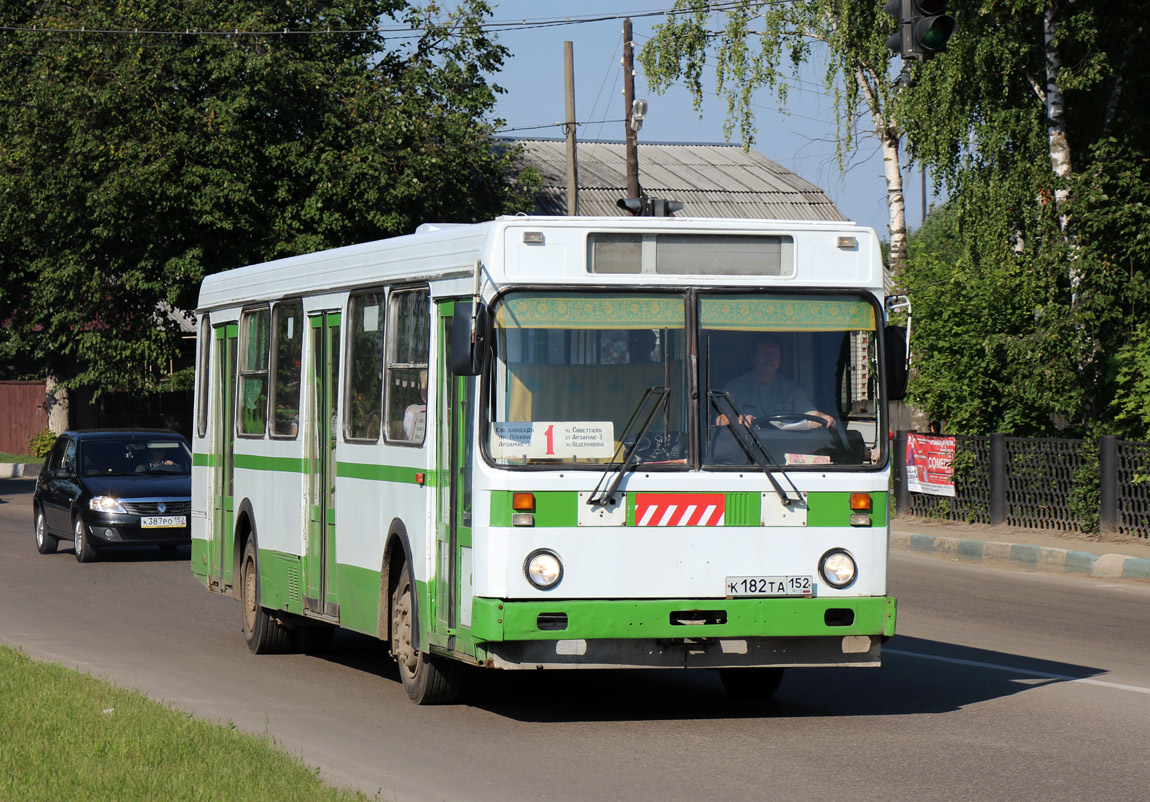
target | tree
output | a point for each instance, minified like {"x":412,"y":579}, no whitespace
{"x":135,"y":160}
{"x":1035,"y":123}
{"x":761,"y":45}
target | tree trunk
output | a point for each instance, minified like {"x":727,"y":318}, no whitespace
{"x":1056,"y":114}
{"x":889,"y":137}
{"x":58,"y":402}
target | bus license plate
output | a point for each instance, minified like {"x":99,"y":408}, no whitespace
{"x":157,"y":521}
{"x":769,"y":586}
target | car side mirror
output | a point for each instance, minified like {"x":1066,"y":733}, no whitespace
{"x":468,"y":338}
{"x":62,"y":473}
{"x":896,"y":353}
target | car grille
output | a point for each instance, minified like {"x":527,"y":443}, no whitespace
{"x":153,"y":507}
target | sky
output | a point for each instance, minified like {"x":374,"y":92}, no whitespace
{"x":799,"y":137}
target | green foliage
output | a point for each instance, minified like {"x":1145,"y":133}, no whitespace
{"x":1085,"y":501}
{"x":133,"y":748}
{"x":133,"y":165}
{"x":1027,"y":306}
{"x":41,"y":443}
{"x":755,"y":46}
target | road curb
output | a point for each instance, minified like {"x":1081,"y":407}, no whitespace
{"x":13,"y":470}
{"x":1038,"y":558}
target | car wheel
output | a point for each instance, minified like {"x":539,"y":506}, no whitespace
{"x":263,"y":633}
{"x":758,"y":684}
{"x":45,"y":543}
{"x":85,"y":549}
{"x":429,"y":679}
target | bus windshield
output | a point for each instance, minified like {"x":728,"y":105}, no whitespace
{"x":573,"y":369}
{"x":790,"y":378}
{"x":784,"y":379}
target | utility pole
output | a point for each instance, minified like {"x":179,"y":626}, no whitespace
{"x":569,"y":127}
{"x":629,"y":100}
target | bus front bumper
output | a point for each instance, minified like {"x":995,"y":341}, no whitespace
{"x":678,"y":633}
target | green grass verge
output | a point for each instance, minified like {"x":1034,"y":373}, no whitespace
{"x":70,"y":736}
{"x":6,"y":457}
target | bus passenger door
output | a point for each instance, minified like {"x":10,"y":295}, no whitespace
{"x":320,"y":592}
{"x":222,"y":538}
{"x":451,"y":594}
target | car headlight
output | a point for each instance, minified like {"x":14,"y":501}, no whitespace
{"x":838,"y":568}
{"x":543,"y":568}
{"x":105,"y":504}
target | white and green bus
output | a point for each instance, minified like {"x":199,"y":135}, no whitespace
{"x":554,"y":443}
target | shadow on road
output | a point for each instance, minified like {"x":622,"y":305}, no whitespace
{"x":918,"y":677}
{"x":20,"y":486}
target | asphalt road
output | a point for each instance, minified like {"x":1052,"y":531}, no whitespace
{"x":1001,"y":685}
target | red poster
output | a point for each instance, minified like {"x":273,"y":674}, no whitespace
{"x":929,"y":459}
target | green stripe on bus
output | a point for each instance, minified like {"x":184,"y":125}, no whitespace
{"x":561,"y":508}
{"x":203,"y":460}
{"x":381,"y":473}
{"x":497,"y":620}
{"x":253,"y":462}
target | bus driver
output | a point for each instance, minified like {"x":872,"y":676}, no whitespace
{"x":761,"y":392}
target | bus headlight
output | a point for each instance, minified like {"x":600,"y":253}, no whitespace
{"x":543,"y":569}
{"x":105,"y":504}
{"x":837,"y":568}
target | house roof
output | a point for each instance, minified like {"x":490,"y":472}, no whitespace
{"x":711,"y":180}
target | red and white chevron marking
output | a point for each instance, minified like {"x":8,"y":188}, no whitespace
{"x":680,"y":509}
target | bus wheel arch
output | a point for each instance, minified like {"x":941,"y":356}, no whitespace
{"x":427,"y":678}
{"x":243,"y":530}
{"x":263,"y":633}
{"x":396,"y":554}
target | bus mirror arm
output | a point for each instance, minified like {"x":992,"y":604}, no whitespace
{"x":468,"y":338}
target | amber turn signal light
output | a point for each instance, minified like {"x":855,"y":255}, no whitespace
{"x":860,"y":502}
{"x":523,"y":501}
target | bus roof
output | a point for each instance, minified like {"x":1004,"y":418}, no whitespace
{"x":832,"y":253}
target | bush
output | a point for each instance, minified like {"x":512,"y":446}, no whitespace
{"x":40,"y":444}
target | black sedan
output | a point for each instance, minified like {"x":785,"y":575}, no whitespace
{"x":109,"y":487}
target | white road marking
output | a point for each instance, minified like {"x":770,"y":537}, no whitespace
{"x":1014,"y":670}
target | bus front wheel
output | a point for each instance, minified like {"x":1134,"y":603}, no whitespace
{"x":263,"y":633}
{"x":751,"y":683}
{"x":428,"y":679}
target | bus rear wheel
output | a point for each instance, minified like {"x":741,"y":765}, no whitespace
{"x":263,"y":633}
{"x":429,"y":679}
{"x":757,"y":684}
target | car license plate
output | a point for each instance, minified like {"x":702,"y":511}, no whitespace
{"x":768,"y":586}
{"x":158,"y":521}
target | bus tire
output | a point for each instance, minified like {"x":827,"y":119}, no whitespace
{"x":85,"y":549}
{"x":751,"y":683}
{"x":263,"y":633}
{"x":429,"y":679}
{"x":45,"y":543}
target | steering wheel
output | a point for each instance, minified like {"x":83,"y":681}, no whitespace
{"x":789,"y":417}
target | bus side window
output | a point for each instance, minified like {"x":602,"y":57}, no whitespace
{"x":253,"y":405}
{"x":287,"y":353}
{"x":408,"y":348}
{"x":365,"y":366}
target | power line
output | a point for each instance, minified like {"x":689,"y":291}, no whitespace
{"x":393,"y":32}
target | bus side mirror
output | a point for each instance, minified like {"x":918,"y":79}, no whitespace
{"x":896,"y":353}
{"x":468,"y":339}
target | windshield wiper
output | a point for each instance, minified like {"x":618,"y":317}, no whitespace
{"x":630,"y":453}
{"x":753,"y":447}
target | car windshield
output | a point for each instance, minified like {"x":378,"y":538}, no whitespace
{"x":134,"y":456}
{"x":573,"y":370}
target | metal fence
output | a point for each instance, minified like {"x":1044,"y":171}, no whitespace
{"x":1040,"y":483}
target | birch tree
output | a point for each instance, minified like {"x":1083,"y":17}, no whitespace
{"x":757,"y":45}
